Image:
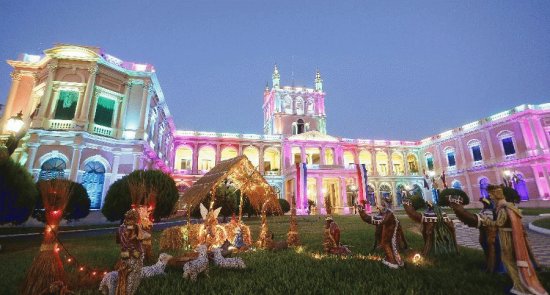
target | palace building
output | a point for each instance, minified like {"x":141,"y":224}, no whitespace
{"x":93,"y":118}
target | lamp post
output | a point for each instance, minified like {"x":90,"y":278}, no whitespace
{"x":13,"y":126}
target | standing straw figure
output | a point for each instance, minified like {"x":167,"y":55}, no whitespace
{"x":514,"y":246}
{"x":292,"y":236}
{"x":131,"y":253}
{"x":47,"y":267}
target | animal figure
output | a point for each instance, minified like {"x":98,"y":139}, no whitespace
{"x":193,"y":268}
{"x":157,"y":268}
{"x":110,"y":279}
{"x":219,"y":260}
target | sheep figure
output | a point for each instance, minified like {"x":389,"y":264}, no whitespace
{"x":110,"y":279}
{"x":219,"y":260}
{"x":157,"y":268}
{"x":193,"y":268}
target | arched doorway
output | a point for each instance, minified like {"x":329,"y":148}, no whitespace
{"x":301,"y":127}
{"x":53,"y":168}
{"x":93,"y":180}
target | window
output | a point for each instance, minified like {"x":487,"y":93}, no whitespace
{"x":288,"y":105}
{"x":310,"y":107}
{"x":299,"y":106}
{"x":508,"y":145}
{"x":92,"y":180}
{"x":104,"y":112}
{"x":300,"y":125}
{"x":66,"y":105}
{"x":52,"y":169}
{"x":451,"y":158}
{"x":430,"y":163}
{"x":184,"y":157}
{"x":476,"y":152}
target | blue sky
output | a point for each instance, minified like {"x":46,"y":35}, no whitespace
{"x":391,"y":69}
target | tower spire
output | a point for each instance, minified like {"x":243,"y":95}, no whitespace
{"x":276,"y":77}
{"x":318,"y":81}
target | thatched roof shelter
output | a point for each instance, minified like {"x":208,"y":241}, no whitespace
{"x":242,"y":173}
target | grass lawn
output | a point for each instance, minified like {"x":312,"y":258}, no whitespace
{"x":25,"y":230}
{"x":544,"y":223}
{"x":294,"y":271}
{"x":534,"y":211}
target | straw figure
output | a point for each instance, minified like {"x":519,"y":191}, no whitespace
{"x":47,"y":267}
{"x":266,"y":237}
{"x":210,"y":232}
{"x":238,"y":234}
{"x":293,"y":239}
{"x":144,"y":201}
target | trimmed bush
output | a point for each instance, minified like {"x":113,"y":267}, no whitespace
{"x":18,"y":193}
{"x":285,"y":206}
{"x":118,"y":200}
{"x":78,"y":206}
{"x":444,"y":196}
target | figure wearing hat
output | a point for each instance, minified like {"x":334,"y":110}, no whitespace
{"x":514,"y":246}
{"x":388,"y":235}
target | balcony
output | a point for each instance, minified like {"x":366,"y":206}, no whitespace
{"x":61,"y":124}
{"x":102,"y":130}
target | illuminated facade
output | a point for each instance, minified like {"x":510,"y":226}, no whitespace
{"x":94,"y":118}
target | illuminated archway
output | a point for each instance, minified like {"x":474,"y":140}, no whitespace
{"x":349,"y":160}
{"x":207,"y":158}
{"x":365,"y":158}
{"x":228,"y":153}
{"x":412,"y":161}
{"x":382,"y":162}
{"x":329,"y":156}
{"x":296,"y":155}
{"x":397,"y":162}
{"x":271,"y":160}
{"x":313,"y":156}
{"x":184,"y":158}
{"x":253,"y":155}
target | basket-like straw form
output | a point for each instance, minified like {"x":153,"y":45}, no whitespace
{"x":47,"y":266}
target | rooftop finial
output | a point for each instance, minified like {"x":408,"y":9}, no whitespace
{"x":276,"y":77}
{"x":318,"y":81}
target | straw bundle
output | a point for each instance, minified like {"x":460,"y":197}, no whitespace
{"x":47,"y":267}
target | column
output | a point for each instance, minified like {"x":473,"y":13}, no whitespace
{"x":116,"y":117}
{"x":32,"y":156}
{"x":137,"y":158}
{"x":373,"y":163}
{"x":303,"y":156}
{"x":145,"y":99}
{"x":16,"y":78}
{"x":124,"y":104}
{"x":261,"y":159}
{"x":462,"y":153}
{"x":323,"y":153}
{"x":75,"y":162}
{"x":218,"y":154}
{"x":406,"y":163}
{"x":114,"y":170}
{"x":490,"y":143}
{"x":535,"y":135}
{"x":92,"y":114}
{"x":437,"y":152}
{"x":83,"y":109}
{"x":195,"y":165}
{"x":320,"y":196}
{"x":390,"y":163}
{"x":343,"y":193}
{"x":46,"y":101}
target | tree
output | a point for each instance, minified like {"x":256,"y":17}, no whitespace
{"x":118,"y":200}
{"x":18,"y":193}
{"x":77,"y":207}
{"x":285,"y":206}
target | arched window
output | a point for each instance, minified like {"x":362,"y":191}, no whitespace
{"x":296,"y":154}
{"x":397,"y":162}
{"x":349,"y":159}
{"x":382,"y":162}
{"x":52,"y":169}
{"x":228,"y":153}
{"x":92,"y":180}
{"x":310,"y":107}
{"x":429,"y":161}
{"x":365,"y":158}
{"x":313,"y":156}
{"x":271,"y":160}
{"x":413,"y":163}
{"x":400,"y":193}
{"x":508,"y":143}
{"x":207,"y":158}
{"x":287,"y":104}
{"x":253,"y":155}
{"x":475,"y":150}
{"x":451,"y":159}
{"x":299,"y":105}
{"x":329,"y":156}
{"x":184,"y":158}
{"x":300,"y":125}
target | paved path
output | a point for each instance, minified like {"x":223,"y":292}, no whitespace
{"x":468,"y":237}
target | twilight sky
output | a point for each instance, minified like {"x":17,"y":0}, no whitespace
{"x":391,"y":69}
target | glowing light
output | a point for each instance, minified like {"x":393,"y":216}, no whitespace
{"x":128,"y":134}
{"x":69,"y":260}
{"x":417,"y":259}
{"x":140,"y":67}
{"x":507,"y":173}
{"x":81,"y":268}
{"x":56,"y":250}
{"x":94,"y":273}
{"x":31,"y":58}
{"x":431,"y":173}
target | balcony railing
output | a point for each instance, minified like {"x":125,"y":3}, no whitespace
{"x":272,"y":173}
{"x":61,"y":124}
{"x":103,"y":131}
